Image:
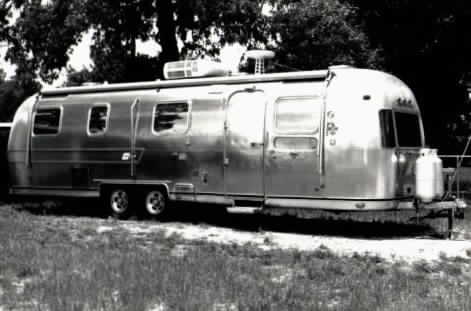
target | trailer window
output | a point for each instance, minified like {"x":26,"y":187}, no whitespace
{"x":408,"y":129}
{"x":297,"y":115}
{"x":98,"y":120}
{"x":405,"y":125}
{"x":47,"y":121}
{"x":171,"y":117}
{"x":387,"y":129}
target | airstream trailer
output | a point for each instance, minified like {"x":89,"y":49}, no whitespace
{"x":338,"y":140}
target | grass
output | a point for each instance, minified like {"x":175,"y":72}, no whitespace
{"x":58,"y":263}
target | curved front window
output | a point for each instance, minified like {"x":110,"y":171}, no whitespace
{"x":408,"y":129}
{"x":400,"y":129}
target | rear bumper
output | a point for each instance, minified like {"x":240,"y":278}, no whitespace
{"x":456,"y":204}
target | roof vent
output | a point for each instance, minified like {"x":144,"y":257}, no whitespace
{"x":194,"y":69}
{"x":259,"y":56}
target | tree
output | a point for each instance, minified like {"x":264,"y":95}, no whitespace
{"x":167,"y":30}
{"x":11,"y":97}
{"x":5,"y":14}
{"x":117,"y":26}
{"x":296,"y":29}
{"x":426,"y":44}
{"x":204,"y":26}
{"x":308,"y":34}
{"x":42,"y":36}
{"x":77,"y":78}
{"x":44,"y":33}
{"x":201,"y":25}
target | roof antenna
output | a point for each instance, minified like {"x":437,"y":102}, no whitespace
{"x":259,"y":56}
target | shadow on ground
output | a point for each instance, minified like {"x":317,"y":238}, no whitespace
{"x":217,"y":216}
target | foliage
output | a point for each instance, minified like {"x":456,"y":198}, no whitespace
{"x":426,"y":44}
{"x":117,"y":25}
{"x":205,"y":26}
{"x":311,"y":34}
{"x":295,"y":28}
{"x":12,"y":94}
{"x":5,"y":14}
{"x":42,"y":36}
{"x":77,"y":78}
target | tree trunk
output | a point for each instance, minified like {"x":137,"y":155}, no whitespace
{"x":167,"y":31}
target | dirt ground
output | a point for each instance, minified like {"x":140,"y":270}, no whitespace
{"x":392,"y":242}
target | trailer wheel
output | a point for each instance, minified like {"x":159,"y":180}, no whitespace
{"x":118,"y":203}
{"x":155,"y":203}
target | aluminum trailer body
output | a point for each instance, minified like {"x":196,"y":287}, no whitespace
{"x":343,"y":139}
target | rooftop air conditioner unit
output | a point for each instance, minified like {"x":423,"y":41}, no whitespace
{"x":194,"y":69}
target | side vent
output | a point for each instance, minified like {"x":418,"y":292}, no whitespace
{"x":184,"y":192}
{"x":186,"y":188}
{"x":194,"y":69}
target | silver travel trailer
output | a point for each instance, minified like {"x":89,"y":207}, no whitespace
{"x":337,"y":140}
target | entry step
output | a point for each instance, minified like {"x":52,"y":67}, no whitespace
{"x":243,"y":209}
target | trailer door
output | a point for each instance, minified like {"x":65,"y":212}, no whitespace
{"x":244,"y":128}
{"x":292,"y":159}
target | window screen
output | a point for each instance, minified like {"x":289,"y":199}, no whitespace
{"x":171,"y":117}
{"x":46,"y":121}
{"x":98,"y":121}
{"x":297,"y":115}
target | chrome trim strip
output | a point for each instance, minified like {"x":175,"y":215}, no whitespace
{"x":294,"y":197}
{"x":79,"y":149}
{"x":337,"y":205}
{"x":53,"y":192}
{"x":132,"y":181}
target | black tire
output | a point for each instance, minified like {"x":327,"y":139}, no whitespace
{"x":117,"y":202}
{"x":155,"y":205}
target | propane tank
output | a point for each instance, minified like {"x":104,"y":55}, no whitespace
{"x":425,"y":175}
{"x":439,"y":183}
